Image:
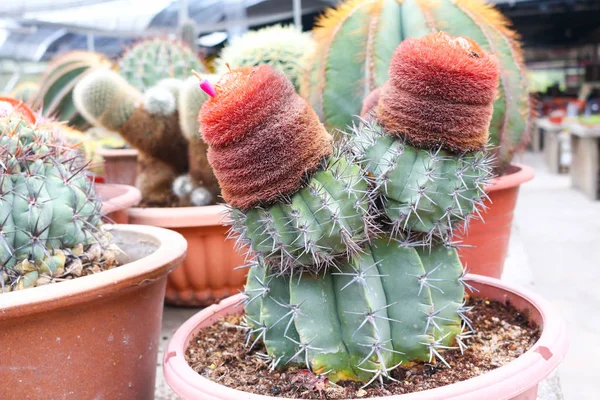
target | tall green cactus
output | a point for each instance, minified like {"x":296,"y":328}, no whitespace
{"x":49,"y":212}
{"x":341,"y":284}
{"x":149,"y":61}
{"x":356,"y":41}
{"x":285,"y":48}
{"x":55,"y":95}
{"x":389,"y":305}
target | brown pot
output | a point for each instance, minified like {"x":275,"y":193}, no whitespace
{"x":209,"y":272}
{"x":116,"y":199}
{"x":120,"y":165}
{"x":489,"y":238}
{"x":94,"y":337}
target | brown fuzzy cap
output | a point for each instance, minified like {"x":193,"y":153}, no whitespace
{"x":263,"y":138}
{"x":440,"y":93}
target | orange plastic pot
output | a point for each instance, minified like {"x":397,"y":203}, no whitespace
{"x":94,"y":337}
{"x":486,"y":242}
{"x":120,"y":165}
{"x":116,"y":199}
{"x":210,"y":271}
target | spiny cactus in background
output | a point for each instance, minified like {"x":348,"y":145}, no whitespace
{"x":293,"y":201}
{"x":355,"y":43}
{"x":384,"y":301}
{"x":148,"y":122}
{"x":425,"y":147}
{"x":188,"y":33}
{"x":25,"y":91}
{"x":50,"y":217}
{"x":149,"y":61}
{"x":199,"y":185}
{"x":285,"y":48}
{"x":55,"y":96}
{"x":151,"y":123}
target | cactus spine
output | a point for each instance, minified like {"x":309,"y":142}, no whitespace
{"x":50,"y":216}
{"x":355,"y":43}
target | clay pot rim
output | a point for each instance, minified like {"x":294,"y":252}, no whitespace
{"x":104,"y":152}
{"x":505,"y":382}
{"x":522,"y":173}
{"x":170,"y":252}
{"x":179,"y":217}
{"x":129,"y":196}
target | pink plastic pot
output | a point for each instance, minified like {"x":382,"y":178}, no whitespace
{"x":116,"y":199}
{"x":518,"y":379}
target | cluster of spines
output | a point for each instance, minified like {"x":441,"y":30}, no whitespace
{"x":447,"y":189}
{"x":291,"y":233}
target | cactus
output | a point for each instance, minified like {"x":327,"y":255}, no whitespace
{"x":294,"y":201}
{"x":51,"y":222}
{"x":430,"y":167}
{"x":355,"y":43}
{"x":386,"y":299}
{"x":386,"y":306}
{"x":55,"y":96}
{"x":148,"y":122}
{"x":285,"y":48}
{"x":158,"y":123}
{"x":149,"y":61}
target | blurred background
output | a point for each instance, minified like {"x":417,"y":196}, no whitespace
{"x":556,"y":229}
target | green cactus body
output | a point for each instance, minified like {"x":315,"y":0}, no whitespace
{"x":356,"y":42}
{"x":324,"y":219}
{"x":55,"y":94}
{"x":422,"y":190}
{"x":358,"y":322}
{"x":285,"y":48}
{"x":188,"y":34}
{"x":150,"y":61}
{"x":47,"y":205}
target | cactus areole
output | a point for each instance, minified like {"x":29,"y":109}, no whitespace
{"x":352,"y":271}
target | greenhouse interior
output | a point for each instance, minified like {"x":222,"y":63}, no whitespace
{"x":302,"y":199}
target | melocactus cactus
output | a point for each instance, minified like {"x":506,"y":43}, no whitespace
{"x":50,"y":217}
{"x":396,"y":300}
{"x":424,"y":148}
{"x":355,"y":43}
{"x":150,"y":61}
{"x":285,"y":48}
{"x":294,"y":201}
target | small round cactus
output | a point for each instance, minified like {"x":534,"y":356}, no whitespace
{"x":285,"y":48}
{"x":149,"y":61}
{"x":50,"y":217}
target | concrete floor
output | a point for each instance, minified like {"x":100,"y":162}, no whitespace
{"x":559,"y":229}
{"x":554,"y":248}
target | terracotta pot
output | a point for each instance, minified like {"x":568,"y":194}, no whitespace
{"x":120,"y":165}
{"x":94,"y":337}
{"x":116,"y":199}
{"x":518,"y":379}
{"x":209,"y":272}
{"x":489,"y":238}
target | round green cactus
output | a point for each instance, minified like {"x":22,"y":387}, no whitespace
{"x":390,"y":304}
{"x":284,"y":48}
{"x":149,"y":61}
{"x":49,"y":213}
